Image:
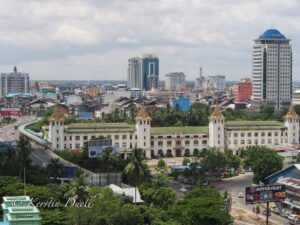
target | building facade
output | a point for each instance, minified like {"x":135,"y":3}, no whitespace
{"x":296,"y":97}
{"x":150,"y":71}
{"x":134,"y":73}
{"x":217,"y":82}
{"x":176,"y":141}
{"x":143,"y":72}
{"x":174,"y":81}
{"x":14,"y":82}
{"x":243,"y":90}
{"x":272,"y":69}
{"x":92,"y":91}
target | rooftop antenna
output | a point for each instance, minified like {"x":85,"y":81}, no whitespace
{"x":200,"y":69}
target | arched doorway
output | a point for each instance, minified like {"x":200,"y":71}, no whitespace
{"x":160,"y":153}
{"x":178,"y":153}
{"x":196,"y":152}
{"x":152,"y":153}
{"x":187,"y":152}
{"x":169,"y":153}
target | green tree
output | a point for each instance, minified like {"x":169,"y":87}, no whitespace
{"x":156,"y":192}
{"x":8,"y":162}
{"x":201,"y":206}
{"x":23,"y":152}
{"x":185,"y":161}
{"x":267,"y":111}
{"x":61,"y":216}
{"x":136,"y":167}
{"x":194,"y":172}
{"x":55,"y":169}
{"x":213,"y":161}
{"x":233,"y":161}
{"x":264,"y":162}
{"x":78,"y":189}
{"x":257,"y":210}
{"x":161,"y":163}
{"x":107,"y":156}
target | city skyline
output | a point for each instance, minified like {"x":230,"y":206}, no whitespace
{"x":92,"y":40}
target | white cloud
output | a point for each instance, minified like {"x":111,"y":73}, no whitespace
{"x":74,"y":34}
{"x":127,"y":40}
{"x":74,"y":38}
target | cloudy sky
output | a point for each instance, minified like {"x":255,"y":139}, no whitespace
{"x":93,"y":39}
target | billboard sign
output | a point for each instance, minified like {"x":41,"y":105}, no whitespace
{"x":269,"y":193}
{"x":7,"y":112}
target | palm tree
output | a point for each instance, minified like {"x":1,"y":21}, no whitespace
{"x":107,"y":156}
{"x":79,"y":189}
{"x":23,"y":152}
{"x":136,"y":167}
{"x":55,"y":168}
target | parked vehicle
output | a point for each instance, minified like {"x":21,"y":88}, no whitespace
{"x":284,"y":214}
{"x":293,"y":217}
{"x":265,"y":212}
{"x":187,"y":181}
{"x":295,"y":221}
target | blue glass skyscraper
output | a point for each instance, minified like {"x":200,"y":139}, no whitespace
{"x":150,"y":71}
{"x":143,"y":72}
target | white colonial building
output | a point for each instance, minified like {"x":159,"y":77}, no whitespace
{"x":176,"y":141}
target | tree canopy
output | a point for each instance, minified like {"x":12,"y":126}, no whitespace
{"x":264,"y":162}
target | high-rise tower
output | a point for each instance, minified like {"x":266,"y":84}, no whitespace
{"x":143,"y":72}
{"x":150,"y":71}
{"x":14,"y":82}
{"x":272,"y":69}
{"x":134,"y":77}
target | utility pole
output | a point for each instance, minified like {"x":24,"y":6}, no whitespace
{"x":24,"y":182}
{"x":267,"y":214}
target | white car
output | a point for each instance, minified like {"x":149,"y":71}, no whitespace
{"x":183,"y":189}
{"x":240,"y":195}
{"x":292,"y":217}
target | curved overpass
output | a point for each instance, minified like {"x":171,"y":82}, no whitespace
{"x":31,"y":135}
{"x":41,"y":154}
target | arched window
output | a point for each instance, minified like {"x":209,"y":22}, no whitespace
{"x":196,"y":152}
{"x":169,"y":153}
{"x":187,"y":152}
{"x":152,"y":153}
{"x":178,"y":153}
{"x":160,"y":153}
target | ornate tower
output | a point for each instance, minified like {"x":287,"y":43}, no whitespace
{"x":216,"y":129}
{"x":291,"y":120}
{"x":56,"y":130}
{"x":143,"y":130}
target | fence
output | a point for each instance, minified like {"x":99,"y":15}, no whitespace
{"x":103,"y":179}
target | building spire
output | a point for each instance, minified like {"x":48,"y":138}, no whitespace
{"x":216,"y":114}
{"x":56,"y":115}
{"x":143,"y":114}
{"x":291,"y":114}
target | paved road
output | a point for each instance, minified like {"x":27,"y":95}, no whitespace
{"x":236,"y":185}
{"x":8,"y":133}
{"x":41,"y":156}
